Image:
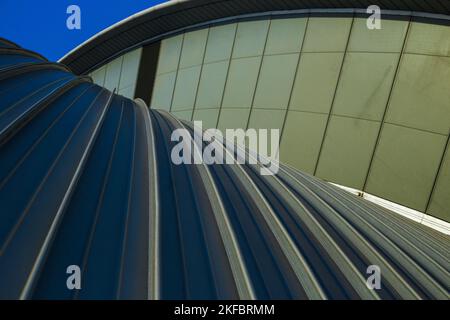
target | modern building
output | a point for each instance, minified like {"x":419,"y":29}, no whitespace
{"x":366,"y":109}
{"x":93,"y":207}
{"x":88,"y":191}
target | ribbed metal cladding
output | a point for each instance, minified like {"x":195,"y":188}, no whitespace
{"x":176,"y":15}
{"x":86,"y":179}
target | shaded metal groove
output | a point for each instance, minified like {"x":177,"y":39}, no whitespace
{"x":50,"y":235}
{"x":8,"y":128}
{"x":32,"y":147}
{"x":238,"y":267}
{"x":127,"y":219}
{"x":98,"y":207}
{"x":205,"y":222}
{"x":154,"y":211}
{"x":36,"y":192}
{"x":298,"y":263}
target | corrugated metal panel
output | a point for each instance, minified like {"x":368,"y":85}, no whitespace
{"x":175,"y":15}
{"x":86,"y":179}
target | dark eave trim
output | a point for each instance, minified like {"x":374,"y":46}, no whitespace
{"x":177,"y":16}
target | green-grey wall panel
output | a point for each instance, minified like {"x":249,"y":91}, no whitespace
{"x":184,"y":115}
{"x":389,"y":38}
{"x":327,"y":34}
{"x":207,"y":116}
{"x":212,"y":83}
{"x":316,"y":81}
{"x":405,"y":165}
{"x":233,"y":119}
{"x":266,"y":119}
{"x":421,"y":96}
{"x":98,"y":76}
{"x":241,"y":82}
{"x":250,"y":38}
{"x":127,"y":92}
{"x":365,"y":84}
{"x":285,"y":36}
{"x":440,"y":200}
{"x":193,"y":48}
{"x":169,"y":54}
{"x":429,"y":39}
{"x":130,"y":68}
{"x":163,"y":91}
{"x":275,"y":81}
{"x":112,"y":77}
{"x":220,"y":43}
{"x":347,"y":150}
{"x":301,"y":139}
{"x":186,"y":88}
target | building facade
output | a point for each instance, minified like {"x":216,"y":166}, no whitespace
{"x":366,"y":109}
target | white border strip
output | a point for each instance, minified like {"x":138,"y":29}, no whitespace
{"x":420,"y":217}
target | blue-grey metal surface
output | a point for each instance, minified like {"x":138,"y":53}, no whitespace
{"x":86,"y":179}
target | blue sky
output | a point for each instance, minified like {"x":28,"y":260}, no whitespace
{"x":41,"y":25}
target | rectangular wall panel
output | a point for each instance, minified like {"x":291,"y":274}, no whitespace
{"x":389,"y":38}
{"x":112,"y":77}
{"x":440,"y":200}
{"x":186,"y":89}
{"x":212,"y":84}
{"x":220,"y":43}
{"x":130,"y":67}
{"x":405,"y":164}
{"x":275,"y":81}
{"x":316,"y":81}
{"x":241,"y":82}
{"x":233,"y":119}
{"x":207,"y":116}
{"x":169,"y":55}
{"x":429,"y":39}
{"x":250,"y":38}
{"x":421,"y":95}
{"x":98,"y":76}
{"x":285,"y":36}
{"x":327,"y":34}
{"x":347,"y":150}
{"x":163,"y":91}
{"x":365,"y":85}
{"x":301,"y":139}
{"x":193,"y":48}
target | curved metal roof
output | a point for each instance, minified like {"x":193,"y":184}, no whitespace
{"x":155,"y":22}
{"x":86,"y":179}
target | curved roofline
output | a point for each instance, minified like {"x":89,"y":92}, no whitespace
{"x":174,"y":16}
{"x":121,"y":22}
